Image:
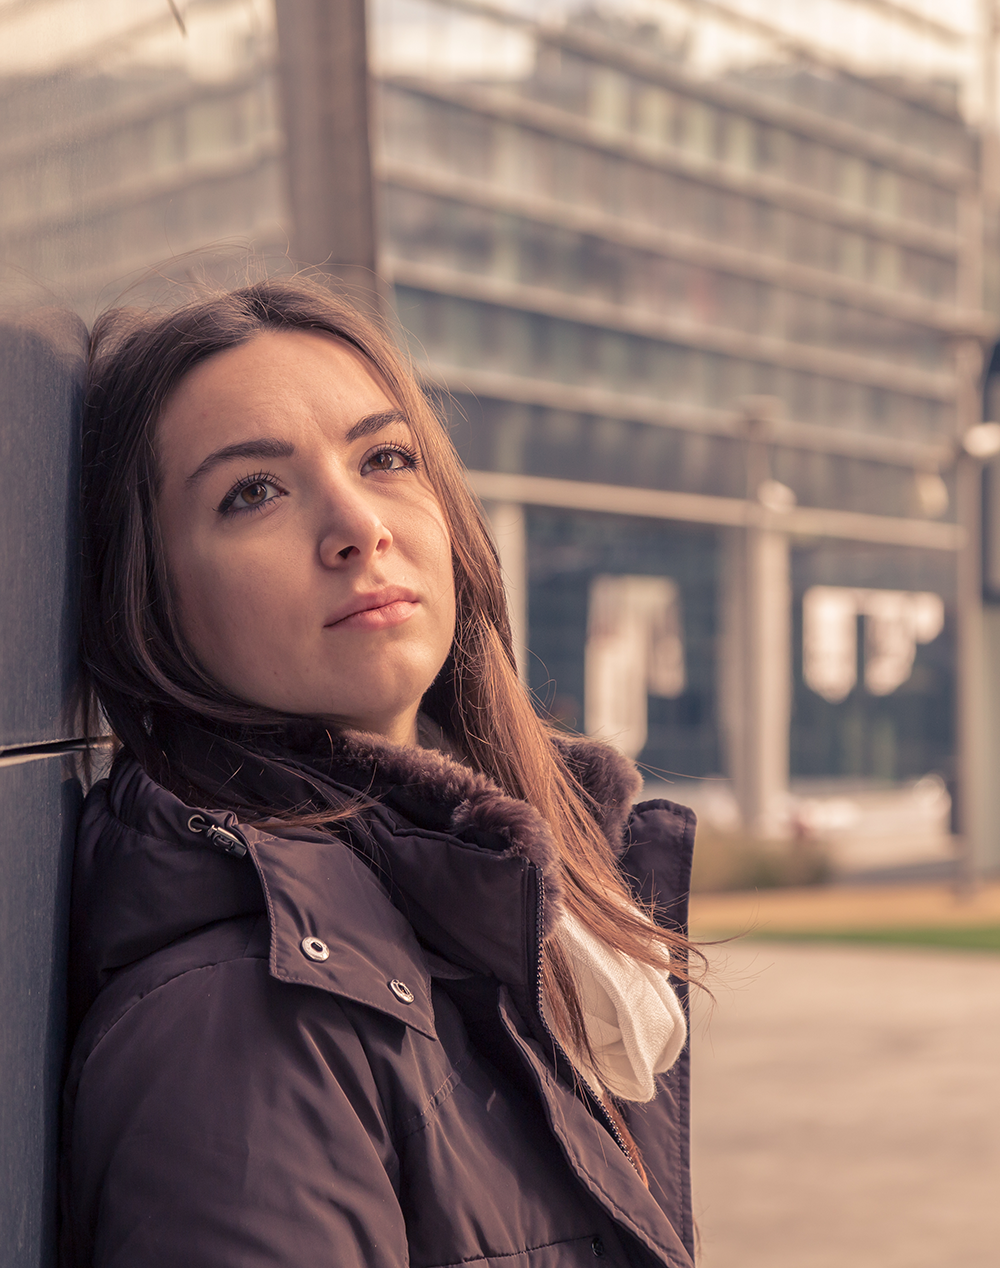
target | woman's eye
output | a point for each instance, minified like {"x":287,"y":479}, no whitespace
{"x":253,"y":494}
{"x":250,"y":495}
{"x":389,"y":460}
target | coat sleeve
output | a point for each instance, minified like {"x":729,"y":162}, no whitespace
{"x":231,"y":1121}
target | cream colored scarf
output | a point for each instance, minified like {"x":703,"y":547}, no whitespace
{"x":634,"y":1019}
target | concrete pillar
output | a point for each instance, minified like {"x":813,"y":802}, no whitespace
{"x":990,"y":547}
{"x":990,"y":850}
{"x":507,"y":522}
{"x":323,"y":67}
{"x":756,"y":672}
{"x":756,"y":645}
{"x":990,"y":841}
{"x":971,"y":790}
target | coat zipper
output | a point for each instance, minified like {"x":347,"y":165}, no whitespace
{"x":606,"y":1118}
{"x":226,"y":840}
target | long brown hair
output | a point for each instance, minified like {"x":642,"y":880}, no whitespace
{"x":141,"y":675}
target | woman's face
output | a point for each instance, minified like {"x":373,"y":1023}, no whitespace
{"x":308,"y":555}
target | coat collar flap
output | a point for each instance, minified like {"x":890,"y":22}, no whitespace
{"x":333,"y":926}
{"x":144,"y":878}
{"x":451,"y":846}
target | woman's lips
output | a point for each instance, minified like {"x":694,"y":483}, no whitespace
{"x":380,"y":616}
{"x":376,"y":610}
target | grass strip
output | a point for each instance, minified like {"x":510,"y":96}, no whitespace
{"x":957,"y":937}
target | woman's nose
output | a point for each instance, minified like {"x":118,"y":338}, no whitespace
{"x":352,"y":526}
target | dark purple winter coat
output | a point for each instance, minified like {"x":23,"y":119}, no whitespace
{"x":326,"y":1051}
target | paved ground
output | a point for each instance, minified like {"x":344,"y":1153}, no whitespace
{"x":847,"y":1109}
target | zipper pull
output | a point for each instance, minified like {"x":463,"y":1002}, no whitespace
{"x":225,"y":840}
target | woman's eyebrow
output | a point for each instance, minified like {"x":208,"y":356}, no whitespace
{"x":375,"y":422}
{"x":272,"y":447}
{"x":264,"y":447}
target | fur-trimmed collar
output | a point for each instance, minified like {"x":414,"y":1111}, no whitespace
{"x":435,"y":787}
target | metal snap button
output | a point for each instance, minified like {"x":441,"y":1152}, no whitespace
{"x":597,"y":1246}
{"x":401,"y":991}
{"x":315,"y":948}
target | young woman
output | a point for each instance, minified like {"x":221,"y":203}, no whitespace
{"x":365,"y":970}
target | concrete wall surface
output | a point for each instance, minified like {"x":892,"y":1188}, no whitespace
{"x":41,"y":360}
{"x":41,"y":363}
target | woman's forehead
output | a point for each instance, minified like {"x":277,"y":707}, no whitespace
{"x":286,"y":379}
{"x":277,"y":362}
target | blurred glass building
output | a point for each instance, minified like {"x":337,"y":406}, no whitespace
{"x":131,"y":132}
{"x":697,"y":281}
{"x":665,"y":282}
